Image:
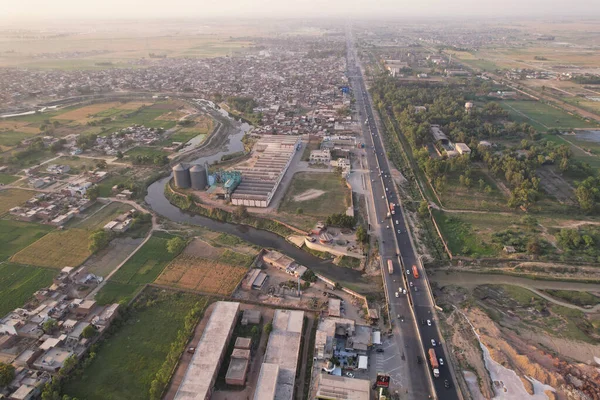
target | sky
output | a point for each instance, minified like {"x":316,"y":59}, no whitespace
{"x":139,"y":9}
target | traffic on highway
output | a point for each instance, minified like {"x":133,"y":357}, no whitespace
{"x":410,"y":301}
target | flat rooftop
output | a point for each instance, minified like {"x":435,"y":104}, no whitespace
{"x":204,"y":366}
{"x":237,"y":368}
{"x":267,"y":382}
{"x":342,"y":388}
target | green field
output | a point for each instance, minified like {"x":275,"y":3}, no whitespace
{"x":127,"y":362}
{"x":333,"y":196}
{"x":101,"y":217}
{"x":145,"y":151}
{"x":16,"y":235}
{"x":542,"y":116}
{"x":144,"y":267}
{"x":6,"y":179}
{"x":68,"y":248}
{"x":457,"y":197}
{"x":19,"y":282}
{"x":13,"y":138}
{"x":13,"y":197}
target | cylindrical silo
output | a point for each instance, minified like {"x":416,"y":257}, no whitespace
{"x":198,"y":177}
{"x":181,"y":173}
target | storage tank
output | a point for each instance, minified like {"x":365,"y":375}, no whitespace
{"x":198,"y":177}
{"x":181,"y":173}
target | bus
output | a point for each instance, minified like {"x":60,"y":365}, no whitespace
{"x":415,"y":272}
{"x":390,"y":267}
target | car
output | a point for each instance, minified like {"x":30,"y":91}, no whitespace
{"x":433,"y":342}
{"x":416,"y":289}
{"x":411,"y":284}
{"x":349,"y":374}
{"x":447,"y":384}
{"x":379,"y":350}
{"x":419,"y":360}
{"x":403,"y":291}
{"x":191,"y":350}
{"x":396,"y":294}
{"x":407,"y":272}
{"x":386,"y":189}
{"x":399,"y":231}
{"x":428,"y":322}
{"x":388,"y":227}
{"x":383,"y":197}
{"x":397,"y":222}
{"x":441,"y":361}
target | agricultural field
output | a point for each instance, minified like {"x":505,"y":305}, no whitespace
{"x":143,"y":267}
{"x":77,"y":164}
{"x":144,"y":151}
{"x":101,"y":217}
{"x":317,"y":194}
{"x":85,"y":114}
{"x":68,"y":248}
{"x":542,"y":116}
{"x":207,"y":276}
{"x":19,"y":282}
{"x":128,"y":361}
{"x":475,"y":197}
{"x":6,"y":179}
{"x":13,"y":197}
{"x":200,"y":126}
{"x":16,"y":235}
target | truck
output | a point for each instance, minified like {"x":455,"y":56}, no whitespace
{"x":415,"y":272}
{"x":392,"y":208}
{"x":390,"y":267}
{"x":435,"y":366}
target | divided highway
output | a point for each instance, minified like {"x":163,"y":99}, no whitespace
{"x":396,"y":245}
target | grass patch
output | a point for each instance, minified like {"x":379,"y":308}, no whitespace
{"x":13,"y":197}
{"x":58,"y":249}
{"x":461,"y":236}
{"x":333,"y":194}
{"x":460,"y":197}
{"x":142,"y":268}
{"x":19,"y":282}
{"x":16,"y":235}
{"x":103,"y":216}
{"x":144,"y":151}
{"x":6,"y":179}
{"x":349,"y":262}
{"x":127,"y":362}
{"x":577,"y":298}
{"x":542,"y":116}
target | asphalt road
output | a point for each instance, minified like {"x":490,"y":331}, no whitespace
{"x":415,"y":379}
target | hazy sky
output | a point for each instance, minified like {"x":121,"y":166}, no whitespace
{"x":52,"y":9}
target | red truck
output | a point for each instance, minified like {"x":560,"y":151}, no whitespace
{"x":392,"y":206}
{"x":415,"y":272}
{"x":435,"y":366}
{"x":390,"y":267}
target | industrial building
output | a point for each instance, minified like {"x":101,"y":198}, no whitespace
{"x":333,"y":387}
{"x":262,"y":175}
{"x":278,"y":372}
{"x":334,"y":333}
{"x":194,"y":176}
{"x":284,"y":263}
{"x":201,"y":374}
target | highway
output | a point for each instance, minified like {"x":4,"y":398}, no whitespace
{"x":395,"y":241}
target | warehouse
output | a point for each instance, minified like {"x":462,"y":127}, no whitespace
{"x":333,"y":387}
{"x":263,"y":173}
{"x":202,"y":371}
{"x":278,"y":372}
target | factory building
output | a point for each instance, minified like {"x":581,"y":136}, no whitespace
{"x":278,"y":372}
{"x":262,"y":176}
{"x":202,"y":371}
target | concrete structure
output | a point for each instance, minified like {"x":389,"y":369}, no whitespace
{"x":335,"y":307}
{"x":251,"y":317}
{"x":255,"y":279}
{"x":462,"y":148}
{"x":330,"y":330}
{"x":438,"y":135}
{"x":278,"y":372}
{"x":283,"y":262}
{"x":243,"y":342}
{"x":236,"y":373}
{"x":52,"y":360}
{"x":263,"y":174}
{"x":198,"y":177}
{"x":333,"y":387}
{"x":202,"y":371}
{"x":181,"y":174}
{"x":320,"y":156}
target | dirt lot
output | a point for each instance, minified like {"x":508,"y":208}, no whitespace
{"x":108,"y":259}
{"x":84,"y":114}
{"x":199,"y":248}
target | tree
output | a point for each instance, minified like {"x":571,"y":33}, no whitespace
{"x":175,"y":245}
{"x":268,"y":328}
{"x":89,"y":332}
{"x":7,"y":374}
{"x":588,"y":193}
{"x":299,"y":211}
{"x":362,"y":235}
{"x":240,"y":212}
{"x":533,"y":247}
{"x":93,"y":193}
{"x":423,"y":208}
{"x":119,"y":154}
{"x":101,"y":164}
{"x":99,"y":240}
{"x":49,"y":326}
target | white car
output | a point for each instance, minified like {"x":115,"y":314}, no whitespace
{"x":428,"y":322}
{"x":399,"y":290}
{"x":441,"y":361}
{"x":407,"y":272}
{"x":403,"y":291}
{"x":399,"y":231}
{"x":396,"y":294}
{"x":411,"y":284}
{"x":433,"y":342}
{"x":397,"y":222}
{"x":388,"y":227}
